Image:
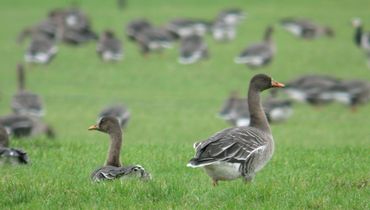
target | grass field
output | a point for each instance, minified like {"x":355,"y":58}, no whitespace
{"x":321,"y":159}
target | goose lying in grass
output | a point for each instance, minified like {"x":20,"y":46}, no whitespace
{"x":259,"y":54}
{"x":239,"y":151}
{"x":120,"y":112}
{"x":153,"y":40}
{"x":224,"y":27}
{"x":184,"y":27}
{"x":26,"y":126}
{"x":306,"y":29}
{"x":10,"y":155}
{"x":135,"y":27}
{"x":109,"y":48}
{"x":41,"y":50}
{"x":113,"y":168}
{"x":192,"y":49}
{"x":26,"y":102}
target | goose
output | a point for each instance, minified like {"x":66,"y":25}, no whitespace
{"x":276,"y":109}
{"x":135,"y":27}
{"x":153,"y":40}
{"x":259,"y":54}
{"x":109,"y":48}
{"x":25,"y":126}
{"x":192,"y":49}
{"x":361,"y":38}
{"x":41,"y":50}
{"x":239,"y":151}
{"x":228,"y":107}
{"x":10,"y":155}
{"x":312,"y":89}
{"x":26,"y":102}
{"x":118,"y":111}
{"x":46,"y":27}
{"x":183,"y":27}
{"x":232,"y":16}
{"x":351,"y":93}
{"x":113,"y":168}
{"x":221,"y":31}
{"x":305,"y":28}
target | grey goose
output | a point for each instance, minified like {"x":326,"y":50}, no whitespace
{"x":192,"y":49}
{"x":113,"y":168}
{"x":183,"y":27}
{"x":311,"y":89}
{"x":135,"y":27}
{"x":10,"y":155}
{"x":26,"y":102}
{"x":41,"y":49}
{"x":239,"y":151}
{"x":120,"y":112}
{"x":153,"y":39}
{"x":224,"y":27}
{"x":21,"y":126}
{"x":258,"y":54}
{"x":306,"y":29}
{"x":109,"y":47}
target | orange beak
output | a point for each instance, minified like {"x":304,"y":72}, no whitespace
{"x":93,"y":127}
{"x":277,"y":84}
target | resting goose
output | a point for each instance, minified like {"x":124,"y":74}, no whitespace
{"x":239,"y":151}
{"x":113,"y":168}
{"x":312,"y":89}
{"x":25,"y":102}
{"x":109,"y":48}
{"x":183,"y":27}
{"x":351,"y":93}
{"x":228,"y":107}
{"x":120,"y":112}
{"x":305,"y":28}
{"x":260,"y":54}
{"x":10,"y":155}
{"x":153,"y":40}
{"x":232,"y":16}
{"x":25,"y":126}
{"x":135,"y":27}
{"x":277,"y":110}
{"x":41,"y":50}
{"x":192,"y":50}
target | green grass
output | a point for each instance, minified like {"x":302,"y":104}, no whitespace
{"x":321,"y":159}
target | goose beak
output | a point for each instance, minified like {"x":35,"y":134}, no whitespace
{"x":277,"y":84}
{"x":93,"y":127}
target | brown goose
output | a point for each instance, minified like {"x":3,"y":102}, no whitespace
{"x":25,"y":102}
{"x":10,"y":155}
{"x":109,"y":48}
{"x":260,"y":54}
{"x":239,"y":151}
{"x":113,"y":168}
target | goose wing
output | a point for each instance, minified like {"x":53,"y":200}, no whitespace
{"x":234,"y":145}
{"x":112,"y":172}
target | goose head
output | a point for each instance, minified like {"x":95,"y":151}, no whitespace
{"x":106,"y":124}
{"x":262,"y":82}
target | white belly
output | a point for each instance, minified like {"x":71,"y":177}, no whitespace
{"x":223,"y":171}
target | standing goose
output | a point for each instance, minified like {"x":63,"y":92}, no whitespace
{"x":120,"y":112}
{"x":192,"y":49}
{"x":109,"y":48}
{"x":25,"y":102}
{"x":239,"y":151}
{"x":306,"y":29}
{"x":260,"y":54}
{"x":10,"y":155}
{"x":361,"y":38}
{"x":113,"y":168}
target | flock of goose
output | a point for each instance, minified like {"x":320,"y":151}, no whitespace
{"x":236,"y":152}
